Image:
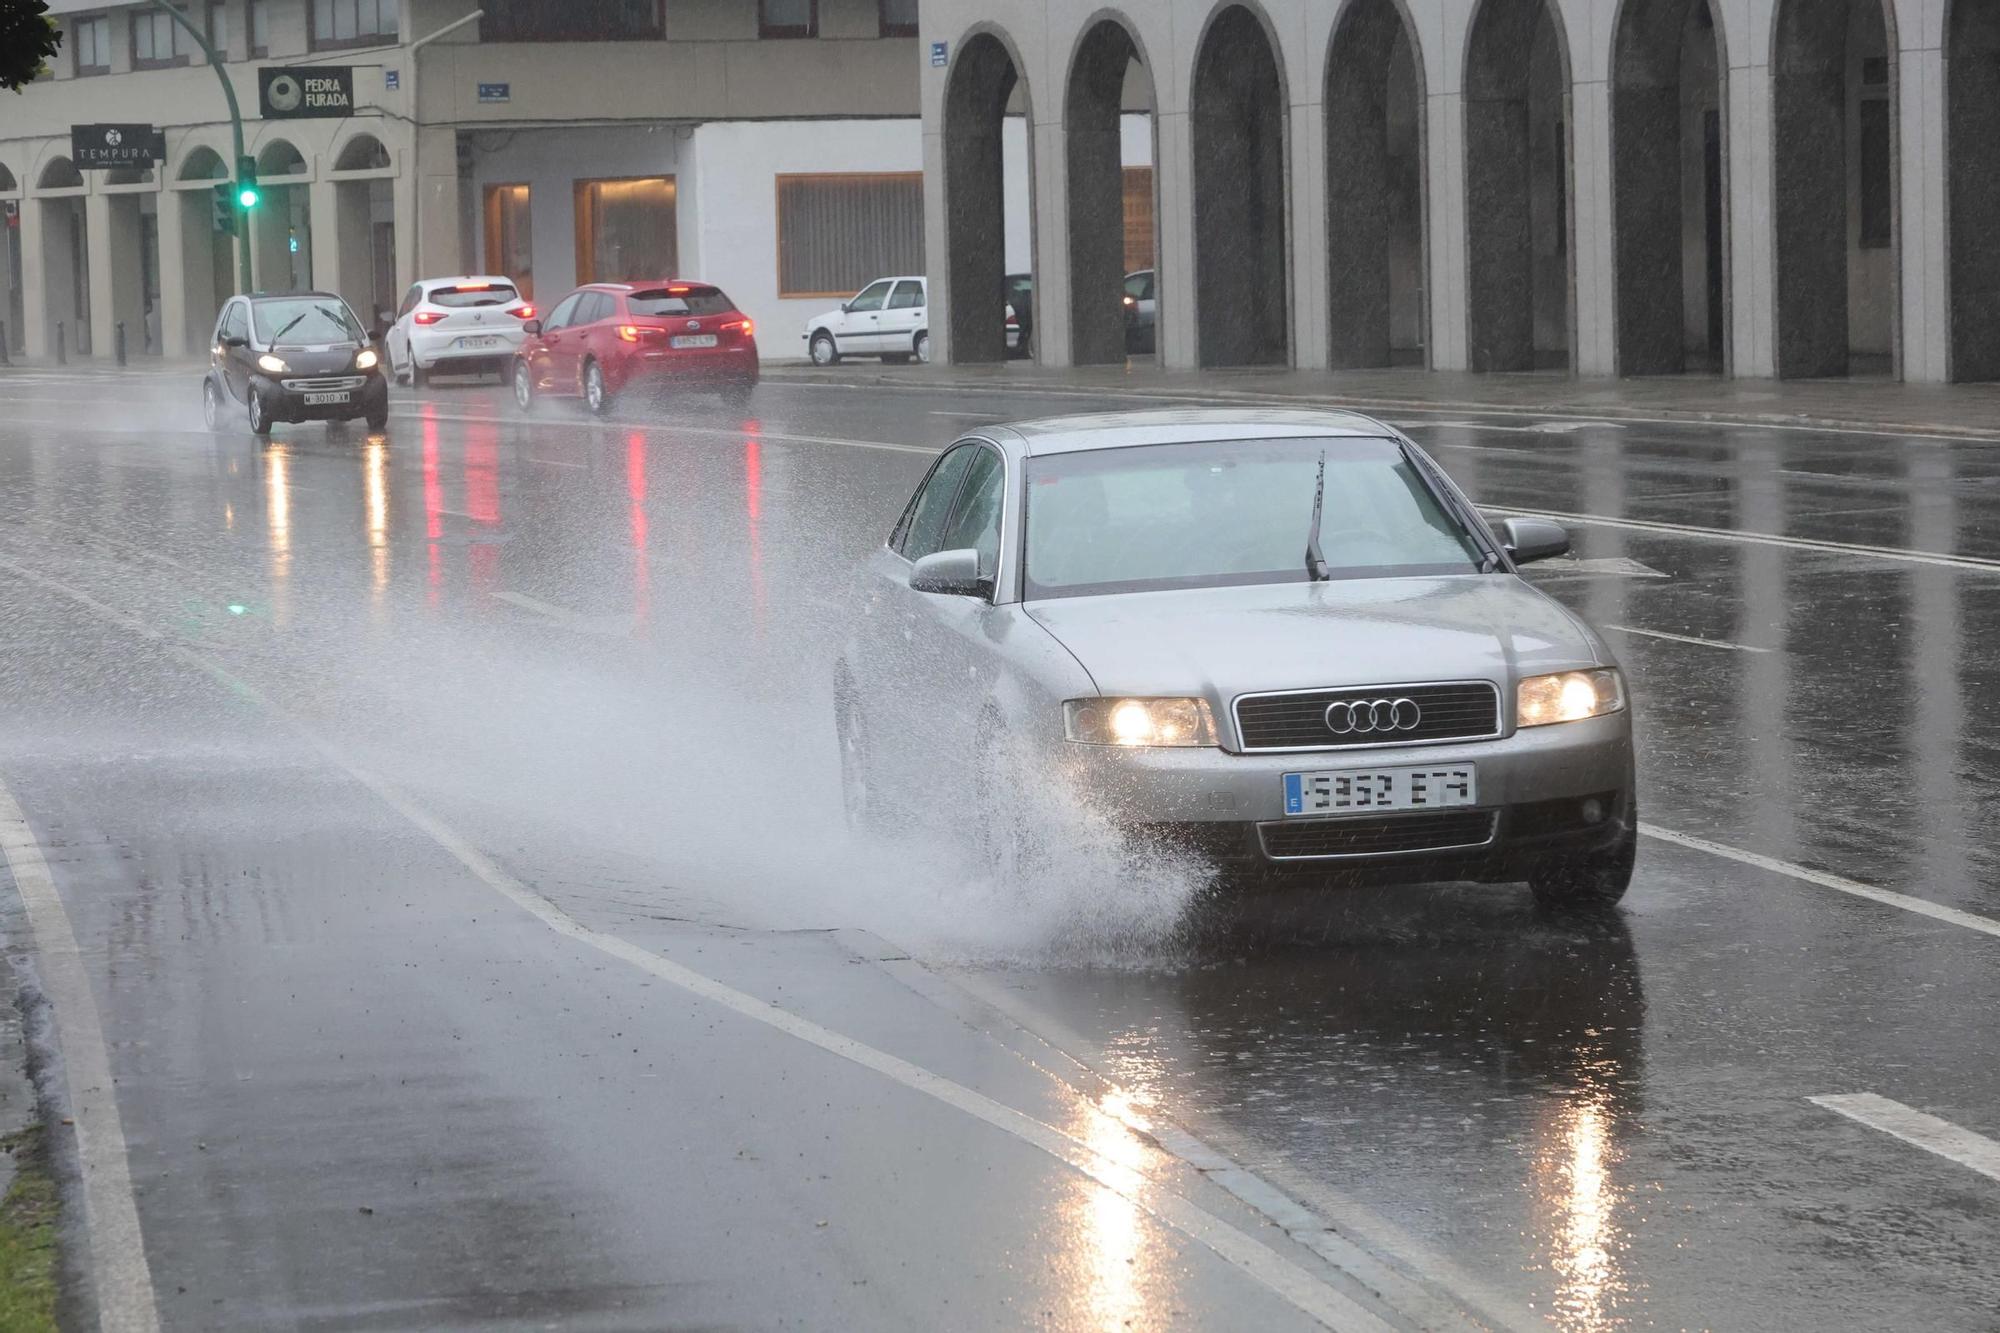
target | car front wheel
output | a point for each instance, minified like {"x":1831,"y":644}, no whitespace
{"x":824,"y":352}
{"x":1589,"y":883}
{"x":260,"y":419}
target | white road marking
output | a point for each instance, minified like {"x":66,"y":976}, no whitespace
{"x":122,"y":1278}
{"x":1888,"y":897}
{"x":969,"y":416}
{"x":1952,"y":1142}
{"x":554,"y":462}
{"x":1972,"y":562}
{"x":1685,"y":638}
{"x":1306,"y":1292}
{"x":617,"y":626}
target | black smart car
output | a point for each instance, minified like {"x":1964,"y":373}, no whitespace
{"x":301,"y":356}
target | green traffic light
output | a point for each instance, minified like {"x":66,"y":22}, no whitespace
{"x":247,"y":197}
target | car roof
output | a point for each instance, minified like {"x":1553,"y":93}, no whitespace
{"x":466,"y":277}
{"x":292,"y":296}
{"x":1123,"y":430}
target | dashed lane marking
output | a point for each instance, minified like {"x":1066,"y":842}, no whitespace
{"x":1979,"y":564}
{"x":1685,"y":638}
{"x":1952,"y":1142}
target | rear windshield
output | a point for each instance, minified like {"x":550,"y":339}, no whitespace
{"x":679,"y":300}
{"x":465,"y":298}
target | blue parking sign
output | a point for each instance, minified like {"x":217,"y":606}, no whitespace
{"x":940,"y":54}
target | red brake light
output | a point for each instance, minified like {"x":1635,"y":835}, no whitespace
{"x":677,"y":291}
{"x":525,"y":312}
{"x":748,"y":326}
{"x":628,"y":332}
{"x":428,"y":316}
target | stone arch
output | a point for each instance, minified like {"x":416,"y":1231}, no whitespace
{"x":1376,"y":265}
{"x":1669,"y":200}
{"x":984,"y":78}
{"x":58,"y":173}
{"x":1836,"y":232}
{"x":281,"y":157}
{"x":203,"y":163}
{"x":1517,"y":157}
{"x":1100,"y":76}
{"x":1237,"y":106}
{"x":1972,"y":147}
{"x":9,"y":184}
{"x":361,"y":152}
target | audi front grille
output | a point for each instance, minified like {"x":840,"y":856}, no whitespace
{"x":1369,"y":716}
{"x":1352,"y":837}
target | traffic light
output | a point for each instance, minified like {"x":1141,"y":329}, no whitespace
{"x":222,"y":207}
{"x":247,"y":195}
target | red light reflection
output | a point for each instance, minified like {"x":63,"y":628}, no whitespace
{"x":635,"y":491}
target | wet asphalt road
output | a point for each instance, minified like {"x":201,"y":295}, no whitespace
{"x":371,"y":772}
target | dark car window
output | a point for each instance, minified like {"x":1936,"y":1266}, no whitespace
{"x":410,"y":300}
{"x":1232,"y":512}
{"x":596,"y":306}
{"x":975,"y":522}
{"x":907,"y":296}
{"x":870,"y":298}
{"x":234,"y":322}
{"x":679,"y":300}
{"x":564,"y":314}
{"x":294,"y":321}
{"x":471,"y":298}
{"x":1139,"y":286}
{"x":933,"y":503}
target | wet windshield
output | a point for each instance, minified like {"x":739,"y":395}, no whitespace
{"x":1234,"y":512}
{"x":304,"y":321}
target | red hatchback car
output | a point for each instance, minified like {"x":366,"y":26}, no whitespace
{"x":610,"y":337}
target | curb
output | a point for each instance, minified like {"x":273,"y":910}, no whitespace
{"x":1606,"y":412}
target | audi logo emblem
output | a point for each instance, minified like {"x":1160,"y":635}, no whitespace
{"x":1360,"y":717}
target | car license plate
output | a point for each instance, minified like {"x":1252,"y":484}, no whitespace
{"x":487,"y":340}
{"x":1407,"y":787}
{"x":695,"y":340}
{"x":324,"y":399}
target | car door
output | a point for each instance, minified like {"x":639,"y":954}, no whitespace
{"x":861,"y":326}
{"x":236,"y":359}
{"x":399,"y":332}
{"x":554,"y":359}
{"x":593,"y":332}
{"x":902,"y":316}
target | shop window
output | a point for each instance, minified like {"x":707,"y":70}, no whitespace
{"x":339,"y":23}
{"x":1138,"y":218}
{"x":788,"y":18}
{"x":626,"y":229}
{"x":572,"y":21}
{"x":897,"y":18}
{"x":839,"y":232}
{"x":510,"y":237}
{"x":90,"y":40}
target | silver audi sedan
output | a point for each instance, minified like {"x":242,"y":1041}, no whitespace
{"x":1283,"y":640}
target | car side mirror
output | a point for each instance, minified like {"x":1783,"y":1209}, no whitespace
{"x":1531,"y":539}
{"x":953,"y":573}
{"x":235,"y":340}
{"x":532,"y":327}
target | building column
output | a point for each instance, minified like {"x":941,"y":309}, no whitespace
{"x":1049,"y":261}
{"x":1445,"y":169}
{"x":1924,"y":214}
{"x":1311,"y":322}
{"x":1594,"y":284}
{"x":1174,"y":327}
{"x":1753,"y":273}
{"x":323,"y":201}
{"x":172,"y":260}
{"x":38,"y":337}
{"x":937,"y":245}
{"x":437,"y":204}
{"x":103,"y":257}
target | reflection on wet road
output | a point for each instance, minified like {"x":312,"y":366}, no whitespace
{"x":600,"y":653}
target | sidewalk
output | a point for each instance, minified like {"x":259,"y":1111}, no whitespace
{"x":1958,"y":410}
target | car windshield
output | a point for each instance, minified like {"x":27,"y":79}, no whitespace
{"x":679,"y":301}
{"x":1232,"y":512}
{"x":467,"y":298}
{"x":306,"y":319}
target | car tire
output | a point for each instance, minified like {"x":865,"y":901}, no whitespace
{"x":211,"y":404}
{"x":850,"y":734}
{"x":419,"y":377}
{"x":1005,"y":842}
{"x":824,"y":351}
{"x":1591,"y":883}
{"x":260,"y":420}
{"x":923,"y":347}
{"x":524,"y":388}
{"x":378,"y":421}
{"x":596,"y":393}
{"x":895,"y":358}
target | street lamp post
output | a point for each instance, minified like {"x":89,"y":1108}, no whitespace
{"x":236,"y":129}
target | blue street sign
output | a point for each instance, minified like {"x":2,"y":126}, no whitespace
{"x":392,"y":79}
{"x":496,"y":92}
{"x":940,"y":54}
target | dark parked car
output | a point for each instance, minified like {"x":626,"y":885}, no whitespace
{"x":1020,"y":314}
{"x":297,"y":357}
{"x":1141,"y":309}
{"x":610,"y":337}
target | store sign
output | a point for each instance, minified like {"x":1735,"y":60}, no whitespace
{"x":496,"y":92}
{"x":940,"y":54}
{"x":300,"y":92}
{"x":108,"y":147}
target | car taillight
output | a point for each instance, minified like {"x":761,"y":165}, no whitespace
{"x":747,"y":326}
{"x":428,"y":316}
{"x":524,"y":312}
{"x":628,"y":333}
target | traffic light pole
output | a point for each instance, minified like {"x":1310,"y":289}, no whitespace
{"x":236,"y":128}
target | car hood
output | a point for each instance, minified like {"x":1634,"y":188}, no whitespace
{"x":1222,"y":642}
{"x":319,"y":359}
{"x":822,"y":319}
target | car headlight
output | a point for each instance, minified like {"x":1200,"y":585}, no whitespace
{"x":273,"y":364}
{"x":1569,"y":696}
{"x":1139,"y":722}
{"x":365,"y":359}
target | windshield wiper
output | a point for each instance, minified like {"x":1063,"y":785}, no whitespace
{"x":289,"y":327}
{"x":1316,"y":569}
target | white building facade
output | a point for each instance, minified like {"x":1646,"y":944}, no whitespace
{"x":1753,"y":187}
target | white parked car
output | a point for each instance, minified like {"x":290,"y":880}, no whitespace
{"x":457,"y":326}
{"x":889,"y":318}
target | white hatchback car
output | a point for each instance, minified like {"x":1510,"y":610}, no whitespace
{"x":457,"y":326}
{"x":889,"y":318}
